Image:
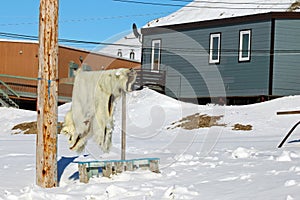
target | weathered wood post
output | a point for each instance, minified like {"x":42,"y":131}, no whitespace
{"x":46,"y":145}
{"x":123,"y":142}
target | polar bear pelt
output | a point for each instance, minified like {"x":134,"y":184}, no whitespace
{"x":93,"y":99}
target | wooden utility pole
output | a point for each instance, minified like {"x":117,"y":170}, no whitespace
{"x":46,"y":145}
{"x":123,"y":139}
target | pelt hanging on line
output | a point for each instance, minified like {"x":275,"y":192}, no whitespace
{"x":93,"y":99}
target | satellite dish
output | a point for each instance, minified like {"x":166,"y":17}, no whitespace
{"x":135,"y":31}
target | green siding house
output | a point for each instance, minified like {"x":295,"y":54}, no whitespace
{"x":253,"y":57}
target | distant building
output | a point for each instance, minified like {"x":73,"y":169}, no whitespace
{"x":19,"y":70}
{"x":128,"y":47}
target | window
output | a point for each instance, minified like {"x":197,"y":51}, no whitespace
{"x":86,"y":67}
{"x":155,"y":55}
{"x":131,"y":55}
{"x":119,"y":53}
{"x":72,"y":67}
{"x":245,"y":45}
{"x":214,"y":48}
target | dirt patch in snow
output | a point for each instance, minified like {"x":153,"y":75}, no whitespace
{"x":197,"y":121}
{"x":30,"y":128}
{"x":241,"y":127}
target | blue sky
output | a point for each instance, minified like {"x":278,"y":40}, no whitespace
{"x":91,"y":20}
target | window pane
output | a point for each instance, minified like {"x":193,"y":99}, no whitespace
{"x":245,"y":46}
{"x":215,"y":48}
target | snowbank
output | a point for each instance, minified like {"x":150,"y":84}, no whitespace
{"x":207,"y":163}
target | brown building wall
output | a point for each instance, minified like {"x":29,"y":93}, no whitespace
{"x":21,"y":59}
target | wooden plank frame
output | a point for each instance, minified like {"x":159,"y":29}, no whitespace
{"x":88,"y":169}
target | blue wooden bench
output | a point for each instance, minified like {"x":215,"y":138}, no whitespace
{"x":87,"y":169}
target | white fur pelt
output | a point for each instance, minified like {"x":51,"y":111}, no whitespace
{"x":93,"y":99}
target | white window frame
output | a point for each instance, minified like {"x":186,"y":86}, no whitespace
{"x":154,"y":42}
{"x":211,"y":47}
{"x":241,"y":44}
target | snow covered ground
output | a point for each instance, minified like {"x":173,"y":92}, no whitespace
{"x":209,"y":163}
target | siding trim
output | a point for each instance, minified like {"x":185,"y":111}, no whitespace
{"x":271,"y":67}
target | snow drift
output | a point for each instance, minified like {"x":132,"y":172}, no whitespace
{"x":207,"y":163}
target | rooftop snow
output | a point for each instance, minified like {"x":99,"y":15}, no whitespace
{"x":209,"y":10}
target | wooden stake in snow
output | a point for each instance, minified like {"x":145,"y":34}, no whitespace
{"x":46,"y":146}
{"x":123,"y":143}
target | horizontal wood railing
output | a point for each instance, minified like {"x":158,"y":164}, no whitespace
{"x":146,"y":77}
{"x":26,"y":87}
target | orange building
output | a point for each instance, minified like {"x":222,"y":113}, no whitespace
{"x":19,"y":70}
